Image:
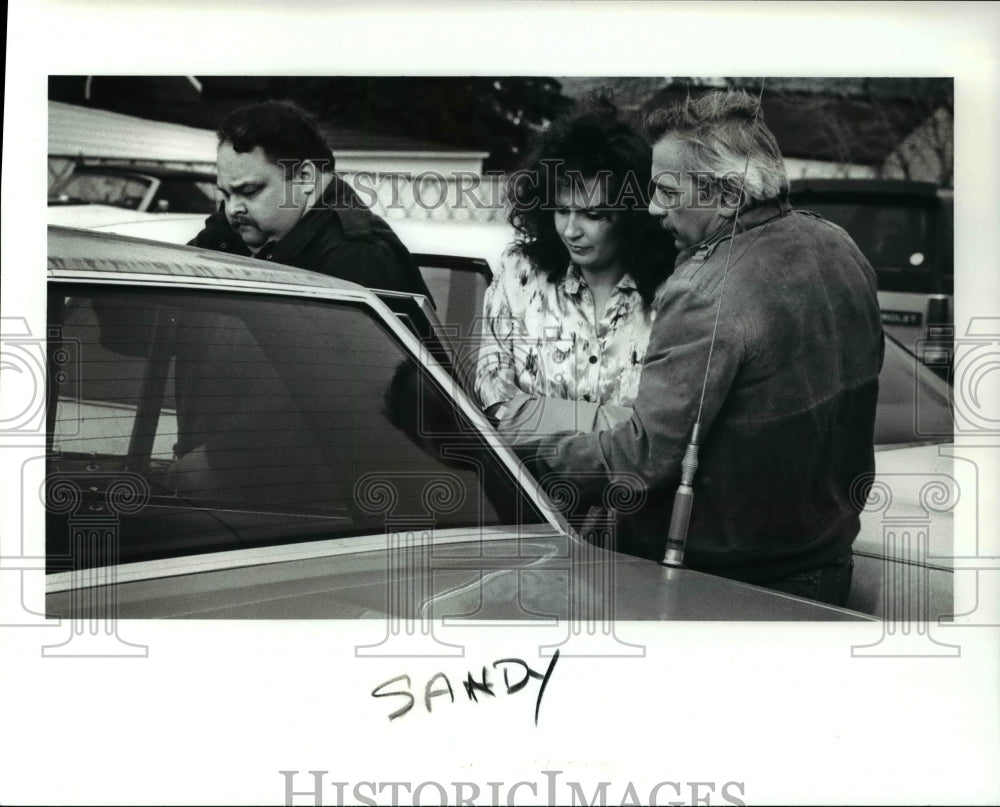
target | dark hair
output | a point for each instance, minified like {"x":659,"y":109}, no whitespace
{"x":594,"y":143}
{"x":287,"y":134}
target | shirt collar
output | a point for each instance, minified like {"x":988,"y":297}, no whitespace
{"x":573,"y":280}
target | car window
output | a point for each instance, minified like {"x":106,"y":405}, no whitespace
{"x":254,"y":420}
{"x":457,"y":286}
{"x":899,"y":240}
{"x":891,"y":236}
{"x":183,"y":195}
{"x":107,"y":189}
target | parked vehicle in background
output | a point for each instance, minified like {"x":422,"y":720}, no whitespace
{"x":905,"y":229}
{"x":147,"y":188}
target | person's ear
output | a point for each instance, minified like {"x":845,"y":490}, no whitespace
{"x":730,"y":197}
{"x":305,"y":176}
{"x":727,"y":209}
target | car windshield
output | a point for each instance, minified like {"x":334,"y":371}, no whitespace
{"x":173,"y":194}
{"x":245,"y":420}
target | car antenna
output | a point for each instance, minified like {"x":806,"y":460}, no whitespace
{"x":680,"y":518}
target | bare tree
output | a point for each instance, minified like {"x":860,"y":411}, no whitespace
{"x":898,"y":127}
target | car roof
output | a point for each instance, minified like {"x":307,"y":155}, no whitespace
{"x":169,"y":228}
{"x":153,"y":170}
{"x":487,"y":240}
{"x":72,"y":251}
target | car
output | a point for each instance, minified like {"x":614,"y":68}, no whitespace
{"x":914,"y":413}
{"x":146,"y":188}
{"x":903,"y":555}
{"x":237,"y":439}
{"x":905,"y":229}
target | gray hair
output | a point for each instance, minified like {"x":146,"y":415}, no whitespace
{"x":718,"y":130}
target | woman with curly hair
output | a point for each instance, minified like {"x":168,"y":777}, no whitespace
{"x":568,"y":315}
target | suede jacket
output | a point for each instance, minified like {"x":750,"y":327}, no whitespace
{"x":787,"y":422}
{"x":339,"y":237}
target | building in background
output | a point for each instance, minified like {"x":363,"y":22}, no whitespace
{"x":396,"y":176}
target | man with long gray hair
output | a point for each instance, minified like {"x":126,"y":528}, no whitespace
{"x":767,"y":336}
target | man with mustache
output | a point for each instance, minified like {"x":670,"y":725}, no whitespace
{"x":768,"y":334}
{"x":283,"y":203}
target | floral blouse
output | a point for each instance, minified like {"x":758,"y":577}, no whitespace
{"x":546,"y":339}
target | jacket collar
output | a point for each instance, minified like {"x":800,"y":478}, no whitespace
{"x":755,"y":213}
{"x":751,"y":215}
{"x":337,"y":195}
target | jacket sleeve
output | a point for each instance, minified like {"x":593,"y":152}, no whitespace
{"x":647,"y":449}
{"x":531,"y":416}
{"x":496,"y":368}
{"x":209,"y":235}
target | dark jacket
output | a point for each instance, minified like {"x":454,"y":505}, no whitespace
{"x":788,"y":418}
{"x":339,"y":237}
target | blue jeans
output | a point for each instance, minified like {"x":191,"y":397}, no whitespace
{"x":830,"y":584}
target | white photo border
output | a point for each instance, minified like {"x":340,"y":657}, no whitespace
{"x":216,"y":710}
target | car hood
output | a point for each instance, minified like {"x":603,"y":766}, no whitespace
{"x":538,"y":574}
{"x":915,"y":490}
{"x":175,"y":228}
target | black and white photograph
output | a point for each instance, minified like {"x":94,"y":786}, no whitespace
{"x":255,"y":442}
{"x":501,"y":427}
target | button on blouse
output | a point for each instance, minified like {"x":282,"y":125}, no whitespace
{"x":546,"y":339}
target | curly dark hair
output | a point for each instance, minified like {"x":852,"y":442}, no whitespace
{"x":285,"y":132}
{"x":594,"y":143}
